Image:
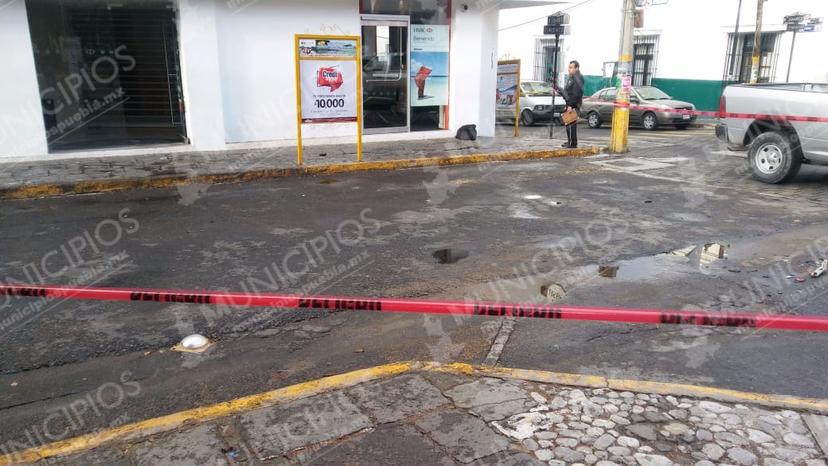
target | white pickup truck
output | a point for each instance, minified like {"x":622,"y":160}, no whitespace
{"x":768,"y":120}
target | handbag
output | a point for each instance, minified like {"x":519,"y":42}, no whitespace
{"x":570,"y":116}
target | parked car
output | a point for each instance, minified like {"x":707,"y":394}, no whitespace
{"x":649,"y":107}
{"x":777,"y":145}
{"x":538,"y":102}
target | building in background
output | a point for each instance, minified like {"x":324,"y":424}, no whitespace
{"x":138,"y":76}
{"x":684,"y":47}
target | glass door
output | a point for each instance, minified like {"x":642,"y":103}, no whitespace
{"x":385,"y":73}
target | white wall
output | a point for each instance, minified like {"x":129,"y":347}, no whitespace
{"x":694,"y":36}
{"x":257,"y":63}
{"x":595,"y":34}
{"x":200,"y":73}
{"x":22,"y":131}
{"x":473,"y":68}
{"x":519,"y":42}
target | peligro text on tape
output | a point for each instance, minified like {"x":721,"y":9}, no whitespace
{"x":751,"y":116}
{"x":818,"y":323}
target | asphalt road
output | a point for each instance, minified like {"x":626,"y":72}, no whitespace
{"x":513,"y":228}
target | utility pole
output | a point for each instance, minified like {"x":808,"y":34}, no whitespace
{"x":757,"y":44}
{"x":621,"y":112}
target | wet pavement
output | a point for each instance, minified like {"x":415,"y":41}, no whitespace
{"x":61,"y":168}
{"x":526,"y":226}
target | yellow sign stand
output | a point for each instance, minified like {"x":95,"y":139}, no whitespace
{"x":309,"y":47}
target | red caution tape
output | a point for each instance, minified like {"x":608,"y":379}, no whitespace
{"x":753,"y":116}
{"x":493,"y":309}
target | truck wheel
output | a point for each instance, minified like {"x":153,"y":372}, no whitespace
{"x":771,"y":158}
{"x":594,"y":120}
{"x":526,"y":118}
{"x":649,"y":121}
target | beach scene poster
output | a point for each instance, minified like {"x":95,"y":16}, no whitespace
{"x":429,"y":70}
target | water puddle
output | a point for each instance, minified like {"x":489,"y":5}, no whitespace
{"x":705,"y":255}
{"x":699,"y":258}
{"x":450,"y":256}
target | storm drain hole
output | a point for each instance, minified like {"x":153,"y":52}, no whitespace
{"x":450,"y":256}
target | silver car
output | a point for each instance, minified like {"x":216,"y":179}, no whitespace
{"x":538,"y":103}
{"x":649,"y":108}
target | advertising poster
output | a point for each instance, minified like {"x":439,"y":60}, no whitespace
{"x":429,"y":73}
{"x":507,"y":95}
{"x":329,"y":90}
{"x":507,"y":76}
{"x":327,"y":48}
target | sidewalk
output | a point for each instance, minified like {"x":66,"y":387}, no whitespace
{"x":58,"y":176}
{"x":426,"y":413}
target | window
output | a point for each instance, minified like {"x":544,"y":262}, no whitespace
{"x":537,"y":88}
{"x":651,"y":93}
{"x":427,"y":103}
{"x":108,"y":73}
{"x":435,"y":12}
{"x":545,"y":57}
{"x":609,"y":94}
{"x":645,"y":52}
{"x":738,"y":65}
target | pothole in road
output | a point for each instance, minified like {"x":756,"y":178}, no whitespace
{"x":450,"y":256}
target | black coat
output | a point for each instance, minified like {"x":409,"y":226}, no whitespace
{"x":573,"y":91}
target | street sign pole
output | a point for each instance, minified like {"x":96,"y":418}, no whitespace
{"x":555,"y":25}
{"x":799,"y":22}
{"x":735,"y":40}
{"x":790,"y":59}
{"x":554,"y":81}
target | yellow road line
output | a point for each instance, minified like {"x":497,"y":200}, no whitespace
{"x":103,"y":186}
{"x":197,"y":415}
{"x":349,"y":379}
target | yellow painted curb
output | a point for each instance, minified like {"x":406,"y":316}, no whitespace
{"x":721,"y":394}
{"x":349,"y":379}
{"x":577,"y":380}
{"x":103,"y":186}
{"x":197,"y":415}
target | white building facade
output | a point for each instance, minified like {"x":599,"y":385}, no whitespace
{"x":684,"y":47}
{"x":90,"y":77}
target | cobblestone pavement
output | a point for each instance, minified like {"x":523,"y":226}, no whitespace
{"x":444,"y":418}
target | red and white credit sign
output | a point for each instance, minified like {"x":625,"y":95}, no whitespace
{"x":329,"y":90}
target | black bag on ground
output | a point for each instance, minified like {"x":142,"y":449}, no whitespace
{"x":467,"y":133}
